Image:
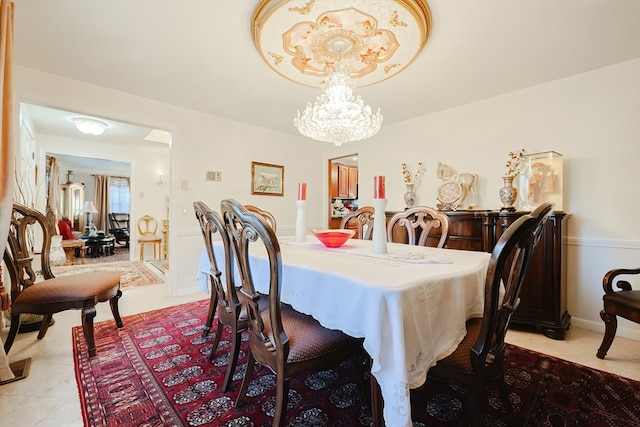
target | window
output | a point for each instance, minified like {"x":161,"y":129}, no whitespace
{"x":119,"y":195}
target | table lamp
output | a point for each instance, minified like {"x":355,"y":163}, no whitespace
{"x":89,"y":208}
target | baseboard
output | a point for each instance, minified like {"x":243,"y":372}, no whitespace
{"x":622,"y":331}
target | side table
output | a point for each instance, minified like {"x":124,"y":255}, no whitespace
{"x":100,"y":245}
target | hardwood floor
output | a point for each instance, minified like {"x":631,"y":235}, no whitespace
{"x":48,"y":397}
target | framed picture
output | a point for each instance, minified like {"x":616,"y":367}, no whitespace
{"x":266,"y":179}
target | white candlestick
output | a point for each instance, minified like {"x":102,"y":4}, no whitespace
{"x":379,"y":245}
{"x":301,"y":222}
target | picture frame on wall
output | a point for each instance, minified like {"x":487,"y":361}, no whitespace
{"x":267,"y":179}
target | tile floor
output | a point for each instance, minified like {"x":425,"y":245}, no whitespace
{"x":48,"y":397}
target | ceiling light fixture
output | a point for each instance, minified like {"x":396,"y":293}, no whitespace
{"x":89,"y":126}
{"x":337,"y":116}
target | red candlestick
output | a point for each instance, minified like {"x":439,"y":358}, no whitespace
{"x":302,"y":191}
{"x":378,"y":187}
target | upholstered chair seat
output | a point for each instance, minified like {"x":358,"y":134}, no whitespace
{"x":74,"y":289}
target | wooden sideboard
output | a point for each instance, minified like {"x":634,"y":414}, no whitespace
{"x":544,"y":293}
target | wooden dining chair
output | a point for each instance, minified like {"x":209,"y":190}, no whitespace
{"x":30,"y":295}
{"x":147,"y":235}
{"x":479,"y":358}
{"x":268,"y":216}
{"x":362,"y":219}
{"x":623,"y":301}
{"x":284,"y":340}
{"x":224,"y":298}
{"x":416,"y":226}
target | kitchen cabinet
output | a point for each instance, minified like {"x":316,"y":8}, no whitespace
{"x":352,"y":188}
{"x":344,"y":182}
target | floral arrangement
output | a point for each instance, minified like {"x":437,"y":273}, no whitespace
{"x":410,"y":178}
{"x":513,"y":164}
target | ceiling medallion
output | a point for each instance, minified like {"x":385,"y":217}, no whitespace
{"x":330,"y":43}
{"x":374,"y":40}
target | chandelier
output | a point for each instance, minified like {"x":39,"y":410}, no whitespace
{"x":326,"y":44}
{"x":337,"y":116}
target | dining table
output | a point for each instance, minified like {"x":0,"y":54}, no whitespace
{"x":409,"y":304}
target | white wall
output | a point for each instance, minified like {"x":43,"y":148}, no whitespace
{"x":591,"y":118}
{"x":200,"y":142}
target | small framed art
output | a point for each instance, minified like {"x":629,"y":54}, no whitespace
{"x":267,"y":179}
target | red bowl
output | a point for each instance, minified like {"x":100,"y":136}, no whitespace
{"x":333,"y":238}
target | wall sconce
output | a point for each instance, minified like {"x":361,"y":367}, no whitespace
{"x":160,"y":182}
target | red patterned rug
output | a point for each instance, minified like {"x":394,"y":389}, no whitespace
{"x":155,"y":372}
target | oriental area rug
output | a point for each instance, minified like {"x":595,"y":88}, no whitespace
{"x":132,"y":274}
{"x":155,"y":371}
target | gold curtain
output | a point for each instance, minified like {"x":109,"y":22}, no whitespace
{"x":6,"y":132}
{"x":53,"y":192}
{"x":101,"y":220}
{"x":6,"y":152}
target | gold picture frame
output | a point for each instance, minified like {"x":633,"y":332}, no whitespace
{"x":267,"y":179}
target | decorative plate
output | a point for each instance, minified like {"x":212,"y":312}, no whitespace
{"x":449,"y":192}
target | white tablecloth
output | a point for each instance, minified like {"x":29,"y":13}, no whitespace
{"x":410,"y":305}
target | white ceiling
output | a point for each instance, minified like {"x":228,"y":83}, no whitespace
{"x":199,"y":54}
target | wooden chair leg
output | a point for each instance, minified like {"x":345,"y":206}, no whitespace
{"x":216,"y":340}
{"x":361,"y":361}
{"x":236,"y":339}
{"x":282,"y":397}
{"x":213,"y":303}
{"x":88,"y":314}
{"x":377,"y":403}
{"x":610,"y":325}
{"x":113,"y":303}
{"x":13,"y":331}
{"x":44,"y":325}
{"x":477,"y":405}
{"x":248,"y":373}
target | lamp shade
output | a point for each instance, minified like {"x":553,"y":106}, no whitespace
{"x":89,"y":207}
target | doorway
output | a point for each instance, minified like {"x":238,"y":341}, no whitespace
{"x":343,"y":188}
{"x":124,"y":150}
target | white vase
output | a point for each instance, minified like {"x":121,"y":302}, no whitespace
{"x":508,"y":194}
{"x":409,"y":197}
{"x":57,"y":257}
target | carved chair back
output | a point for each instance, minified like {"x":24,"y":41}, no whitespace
{"x":508,"y":265}
{"x":479,"y":358}
{"x":305,"y":345}
{"x":147,"y":225}
{"x":223,"y":296}
{"x":415,"y":226}
{"x":363,"y":220}
{"x":268,"y":216}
